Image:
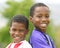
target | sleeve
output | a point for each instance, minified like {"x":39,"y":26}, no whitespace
{"x":38,"y":43}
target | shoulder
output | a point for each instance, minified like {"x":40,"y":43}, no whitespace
{"x":26,"y":44}
{"x":36,"y":34}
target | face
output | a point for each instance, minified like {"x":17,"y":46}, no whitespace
{"x":40,"y":18}
{"x":18,"y":31}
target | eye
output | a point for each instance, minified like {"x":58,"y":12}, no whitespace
{"x":21,"y":30}
{"x":39,"y":16}
{"x":47,"y":16}
{"x":13,"y":29}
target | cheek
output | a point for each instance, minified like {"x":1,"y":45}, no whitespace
{"x":48,"y":21}
{"x":36,"y":20}
{"x":23,"y":34}
{"x":11,"y":34}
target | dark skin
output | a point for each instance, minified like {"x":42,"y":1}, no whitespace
{"x":18,"y":31}
{"x":40,"y":18}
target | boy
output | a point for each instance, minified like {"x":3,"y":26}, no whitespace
{"x":18,"y":30}
{"x":39,"y":16}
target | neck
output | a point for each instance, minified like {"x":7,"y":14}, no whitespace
{"x":40,"y":30}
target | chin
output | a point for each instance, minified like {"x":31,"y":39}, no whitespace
{"x":43,"y":30}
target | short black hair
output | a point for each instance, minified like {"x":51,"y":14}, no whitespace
{"x":34,"y":6}
{"x":20,"y":19}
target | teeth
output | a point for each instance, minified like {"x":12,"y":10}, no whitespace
{"x":16,"y":36}
{"x":43,"y":25}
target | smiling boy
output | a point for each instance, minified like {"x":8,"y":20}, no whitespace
{"x":18,"y":30}
{"x":39,"y":16}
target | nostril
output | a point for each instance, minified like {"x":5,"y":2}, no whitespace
{"x":16,"y":32}
{"x":44,"y":19}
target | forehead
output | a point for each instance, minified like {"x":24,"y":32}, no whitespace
{"x":41,"y":9}
{"x":17,"y":25}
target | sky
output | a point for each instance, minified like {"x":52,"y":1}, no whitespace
{"x":3,"y":21}
{"x":54,"y":6}
{"x":49,"y":1}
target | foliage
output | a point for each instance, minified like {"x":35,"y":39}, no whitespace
{"x":17,"y":8}
{"x":13,"y":9}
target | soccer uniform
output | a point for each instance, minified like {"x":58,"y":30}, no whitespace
{"x":22,"y":44}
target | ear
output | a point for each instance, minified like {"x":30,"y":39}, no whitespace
{"x":30,"y":18}
{"x":26,"y":31}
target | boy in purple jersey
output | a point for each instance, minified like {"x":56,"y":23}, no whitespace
{"x":39,"y":16}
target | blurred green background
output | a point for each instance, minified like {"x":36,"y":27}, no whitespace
{"x":23,"y":7}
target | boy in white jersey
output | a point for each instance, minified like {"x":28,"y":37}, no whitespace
{"x":18,"y":30}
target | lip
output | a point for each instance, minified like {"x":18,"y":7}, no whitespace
{"x":16,"y":38}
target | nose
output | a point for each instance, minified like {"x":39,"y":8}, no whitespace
{"x":17,"y":33}
{"x":43,"y":19}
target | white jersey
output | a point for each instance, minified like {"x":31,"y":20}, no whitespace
{"x":22,"y":44}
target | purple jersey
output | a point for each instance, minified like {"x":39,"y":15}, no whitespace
{"x":39,"y":39}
